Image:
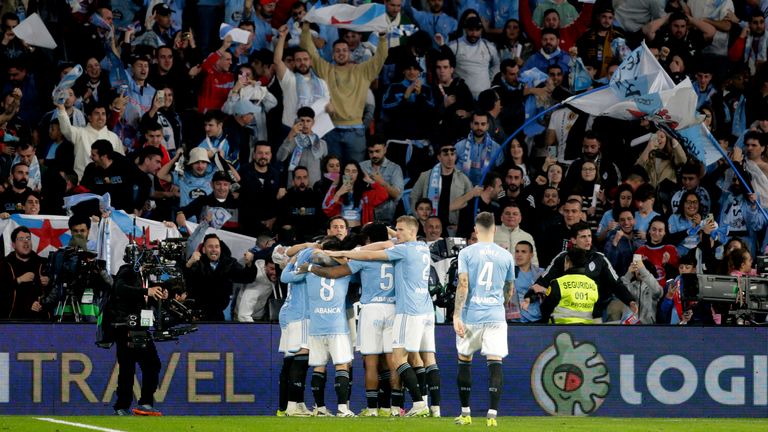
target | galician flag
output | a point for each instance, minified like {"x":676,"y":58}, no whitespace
{"x":641,"y":89}
{"x":371,"y":17}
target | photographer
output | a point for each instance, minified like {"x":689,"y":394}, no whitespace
{"x":129,"y":312}
{"x":210,"y":276}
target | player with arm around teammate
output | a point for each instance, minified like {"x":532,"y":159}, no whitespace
{"x":377,"y":313}
{"x":486,"y":282}
{"x":414,"y":327}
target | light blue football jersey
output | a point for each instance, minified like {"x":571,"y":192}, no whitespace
{"x":295,"y":305}
{"x":377,"y":279}
{"x":488,"y":267}
{"x":327,"y":310}
{"x":412,"y":265}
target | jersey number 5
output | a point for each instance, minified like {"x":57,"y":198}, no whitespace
{"x":387,"y":277}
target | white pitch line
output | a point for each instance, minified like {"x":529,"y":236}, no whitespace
{"x":80,"y":425}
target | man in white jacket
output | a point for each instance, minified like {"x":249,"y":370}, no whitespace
{"x":477,"y":60}
{"x":83,"y":137}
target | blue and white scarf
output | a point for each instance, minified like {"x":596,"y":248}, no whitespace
{"x":305,"y":94}
{"x":304,"y":142}
{"x":435,"y":184}
{"x":484,"y":152}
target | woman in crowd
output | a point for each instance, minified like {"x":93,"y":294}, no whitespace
{"x":622,"y":198}
{"x":687,"y":228}
{"x":658,"y":252}
{"x":330,"y":166}
{"x":513,"y":43}
{"x":661,"y":158}
{"x":589,"y":189}
{"x":518,"y":155}
{"x":356,"y":198}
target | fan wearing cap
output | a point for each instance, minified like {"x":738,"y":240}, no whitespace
{"x":477,"y":60}
{"x":161,"y":33}
{"x":194,"y":180}
{"x":409,"y":105}
{"x":594,"y":46}
{"x":206,"y":207}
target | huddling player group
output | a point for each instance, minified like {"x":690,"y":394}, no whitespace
{"x":395,"y":331}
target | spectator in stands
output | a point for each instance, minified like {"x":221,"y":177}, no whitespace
{"x":661,"y":157}
{"x":510,"y":90}
{"x":40,"y":135}
{"x":302,"y":147}
{"x":111,"y":173}
{"x":387,"y":174}
{"x":608,"y":173}
{"x":148,"y":190}
{"x":658,"y":252}
{"x":217,"y":79}
{"x":477,"y":60}
{"x":409,"y":106}
{"x":32,"y":203}
{"x":527,"y":274}
{"x":595,"y":45}
{"x":548,"y":54}
{"x":553,"y":236}
{"x":484,"y":200}
{"x":399,"y":25}
{"x":640,"y":280}
{"x":153,"y":137}
{"x":194,"y":180}
{"x":517,"y":155}
{"x":330,"y":166}
{"x":551,"y":20}
{"x":509,"y":233}
{"x":513,"y":44}
{"x":591,"y":191}
{"x":23,"y":279}
{"x":161,"y":33}
{"x":488,"y":100}
{"x":478,"y":150}
{"x":516,"y":193}
{"x":264,"y":31}
{"x":442,"y":185}
{"x":139,"y":96}
{"x":347,"y":139}
{"x":685,"y":226}
{"x":252,"y":301}
{"x":433,"y":230}
{"x":644,"y":197}
{"x":206,"y":207}
{"x":632,"y":16}
{"x":435,"y":21}
{"x":83,"y":137}
{"x":553,"y":177}
{"x":164,"y":113}
{"x":300,"y":208}
{"x":12,"y":197}
{"x":690,"y":175}
{"x":260,"y":183}
{"x":359,"y":51}
{"x":301,"y":86}
{"x":718,"y":16}
{"x":210,"y":276}
{"x":453,"y":100}
{"x":565,"y":11}
{"x":674,"y":36}
{"x":750,"y":48}
{"x":735,"y":205}
{"x":422,"y":213}
{"x":622,"y":241}
{"x":25,"y":153}
{"x":356,"y":198}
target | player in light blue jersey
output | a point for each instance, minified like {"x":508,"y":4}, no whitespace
{"x":293,"y":337}
{"x":328,"y":332}
{"x":486,"y":282}
{"x":377,"y":313}
{"x":414,"y":326}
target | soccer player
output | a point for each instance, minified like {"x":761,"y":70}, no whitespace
{"x":328,"y":333}
{"x":294,"y":345}
{"x":414,"y":327}
{"x":486,"y":278}
{"x":377,"y":313}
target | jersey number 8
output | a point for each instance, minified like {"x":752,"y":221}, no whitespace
{"x":326,"y":289}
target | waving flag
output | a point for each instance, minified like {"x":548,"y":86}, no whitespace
{"x":699,"y":143}
{"x":371,"y":17}
{"x":640,"y":88}
{"x":60,"y":91}
{"x":48,"y":232}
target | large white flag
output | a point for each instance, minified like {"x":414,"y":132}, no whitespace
{"x":640,"y":88}
{"x":371,"y":17}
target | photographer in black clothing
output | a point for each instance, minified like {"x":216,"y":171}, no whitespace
{"x":127,"y":313}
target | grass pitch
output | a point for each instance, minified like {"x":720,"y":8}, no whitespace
{"x":250,"y":424}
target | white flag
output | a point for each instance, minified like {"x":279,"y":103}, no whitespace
{"x":371,"y":17}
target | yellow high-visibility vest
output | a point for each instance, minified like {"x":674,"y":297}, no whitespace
{"x":578,"y":295}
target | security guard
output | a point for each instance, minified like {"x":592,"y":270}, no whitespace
{"x":581,"y":259}
{"x":570,"y":299}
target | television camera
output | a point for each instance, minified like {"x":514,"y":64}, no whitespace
{"x":160,"y":264}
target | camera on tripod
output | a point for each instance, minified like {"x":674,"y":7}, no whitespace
{"x":77,"y":280}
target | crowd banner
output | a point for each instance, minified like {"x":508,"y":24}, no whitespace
{"x":233,"y":369}
{"x":371,"y":17}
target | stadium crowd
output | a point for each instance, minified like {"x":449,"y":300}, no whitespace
{"x":173,"y":120}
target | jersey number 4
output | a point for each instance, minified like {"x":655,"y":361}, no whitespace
{"x":486,"y":276}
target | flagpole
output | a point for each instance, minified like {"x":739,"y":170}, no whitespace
{"x":524,"y":125}
{"x":711,"y":139}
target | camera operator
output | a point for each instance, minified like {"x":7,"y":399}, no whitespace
{"x":129,"y":312}
{"x":23,"y":280}
{"x":77,"y":274}
{"x":210,"y":276}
